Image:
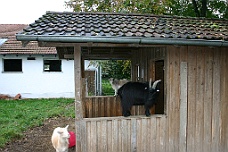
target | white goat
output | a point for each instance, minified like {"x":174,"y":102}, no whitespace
{"x":116,"y":84}
{"x":60,"y":139}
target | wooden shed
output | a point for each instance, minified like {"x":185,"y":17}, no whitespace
{"x":190,"y":55}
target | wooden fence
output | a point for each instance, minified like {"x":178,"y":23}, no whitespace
{"x":108,"y":106}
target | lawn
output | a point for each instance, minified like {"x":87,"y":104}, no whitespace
{"x":16,"y":116}
{"x":107,"y":88}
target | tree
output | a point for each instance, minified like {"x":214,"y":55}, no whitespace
{"x":120,"y":69}
{"x":193,"y":8}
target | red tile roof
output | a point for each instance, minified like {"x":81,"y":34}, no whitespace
{"x":12,"y":46}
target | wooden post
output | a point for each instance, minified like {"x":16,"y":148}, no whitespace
{"x":78,"y":96}
{"x":183,"y":107}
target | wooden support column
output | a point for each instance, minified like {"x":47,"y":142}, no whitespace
{"x":78,"y":96}
{"x":183,"y":107}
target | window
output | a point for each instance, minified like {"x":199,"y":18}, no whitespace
{"x":12,"y":65}
{"x":52,"y":65}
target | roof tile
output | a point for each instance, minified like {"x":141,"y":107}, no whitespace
{"x":127,"y":25}
{"x":12,"y":46}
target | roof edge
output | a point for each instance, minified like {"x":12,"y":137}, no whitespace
{"x":123,"y":40}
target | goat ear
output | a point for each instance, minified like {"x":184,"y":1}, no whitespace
{"x":67,"y":126}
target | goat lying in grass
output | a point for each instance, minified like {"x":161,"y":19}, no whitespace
{"x":116,"y":84}
{"x":138,"y":93}
{"x":60,"y":139}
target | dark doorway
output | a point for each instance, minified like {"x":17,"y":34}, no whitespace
{"x":159,"y":74}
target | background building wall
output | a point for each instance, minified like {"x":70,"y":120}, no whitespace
{"x":33,"y":82}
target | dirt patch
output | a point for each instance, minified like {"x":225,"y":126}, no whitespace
{"x":38,"y":139}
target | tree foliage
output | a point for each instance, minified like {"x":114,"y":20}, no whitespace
{"x":193,"y":8}
{"x":120,"y":69}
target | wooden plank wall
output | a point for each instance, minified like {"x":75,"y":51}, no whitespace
{"x":206,"y":115}
{"x":107,"y":106}
{"x":206,"y":100}
{"x":131,"y":134}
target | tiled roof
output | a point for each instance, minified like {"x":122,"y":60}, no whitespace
{"x":11,"y":46}
{"x":74,"y":27}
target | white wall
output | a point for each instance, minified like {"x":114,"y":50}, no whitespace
{"x":32,"y":82}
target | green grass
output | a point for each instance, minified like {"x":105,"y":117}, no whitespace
{"x":16,"y":116}
{"x":107,"y":88}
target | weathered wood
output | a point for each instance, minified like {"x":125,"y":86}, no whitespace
{"x":153,"y":130}
{"x":183,"y":107}
{"x":191,"y":98}
{"x":200,"y":81}
{"x":196,"y":105}
{"x":174,"y":91}
{"x":78,"y":97}
{"x":108,"y":106}
{"x":216,"y":101}
{"x":208,"y":99}
{"x":224,"y":100}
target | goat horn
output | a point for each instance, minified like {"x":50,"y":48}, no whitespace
{"x":155,"y":84}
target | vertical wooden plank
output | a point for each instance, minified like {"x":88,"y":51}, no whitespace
{"x":108,"y":107}
{"x":183,"y":106}
{"x":208,"y":99}
{"x":163,"y":134}
{"x":153,"y":134}
{"x":167,"y":96}
{"x":118,"y":107}
{"x":158,"y":135}
{"x":120,"y":135}
{"x":103,"y":136}
{"x":115,"y":133}
{"x":90,"y":109}
{"x":200,"y":99}
{"x":109,"y":136}
{"x":84,"y":139}
{"x":124,"y":135}
{"x":191,"y":98}
{"x":139,"y":135}
{"x":133,"y":135}
{"x":88,"y":126}
{"x":96,"y":104}
{"x":144,"y":135}
{"x":170,"y":109}
{"x":174,"y":90}
{"x":99,"y":136}
{"x":102,"y":107}
{"x":78,"y":135}
{"x":224,"y":101}
{"x":129,"y":135}
{"x":94,"y":136}
{"x":216,"y":116}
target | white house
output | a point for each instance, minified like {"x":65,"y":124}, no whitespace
{"x":32,"y":71}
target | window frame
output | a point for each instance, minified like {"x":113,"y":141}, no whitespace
{"x":59,"y":69}
{"x":18,"y":69}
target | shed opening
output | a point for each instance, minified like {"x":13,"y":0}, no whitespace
{"x":145,"y":64}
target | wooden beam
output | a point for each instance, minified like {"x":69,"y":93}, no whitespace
{"x":78,"y":87}
{"x":78,"y":97}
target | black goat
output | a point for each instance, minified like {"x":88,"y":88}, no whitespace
{"x":138,"y":93}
